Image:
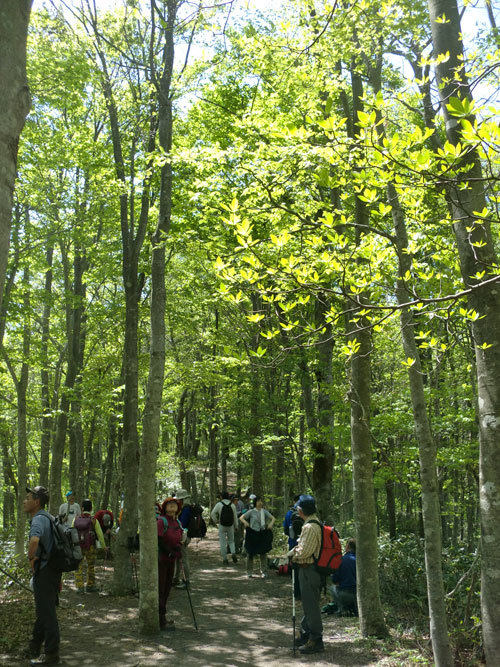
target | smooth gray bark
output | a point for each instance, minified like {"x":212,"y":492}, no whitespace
{"x":477,"y":256}
{"x":146,"y":497}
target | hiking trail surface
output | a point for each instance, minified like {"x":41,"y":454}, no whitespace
{"x":242,"y":622}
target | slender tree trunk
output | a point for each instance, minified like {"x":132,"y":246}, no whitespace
{"x":148,"y":598}
{"x":21,"y":391}
{"x":477,"y":256}
{"x":47,"y":420}
{"x":322,"y":444}
{"x":16,"y":102}
{"x":358,"y":333}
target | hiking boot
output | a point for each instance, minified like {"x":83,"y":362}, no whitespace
{"x":31,"y":651}
{"x":46,"y":659}
{"x":250,"y":576}
{"x":92,"y":589}
{"x":312,"y":646}
{"x":225,"y":561}
{"x":182,"y":585}
{"x":263,"y":575}
{"x":167,"y":626}
{"x":235,"y":560}
{"x":301,"y":641}
{"x":80,"y":591}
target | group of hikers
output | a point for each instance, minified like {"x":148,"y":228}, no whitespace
{"x":244,"y":527}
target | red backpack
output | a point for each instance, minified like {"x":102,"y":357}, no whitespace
{"x":330,"y":553}
{"x":86,"y":533}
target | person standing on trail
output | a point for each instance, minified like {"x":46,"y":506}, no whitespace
{"x":304,"y":554}
{"x":88,"y":530}
{"x":170,"y":537}
{"x":259,"y":536}
{"x":184,"y":501}
{"x":238,"y":529}
{"x":46,"y":580}
{"x":69,"y":510}
{"x":224,"y":514}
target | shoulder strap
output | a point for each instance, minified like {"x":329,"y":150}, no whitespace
{"x":165,"y":523}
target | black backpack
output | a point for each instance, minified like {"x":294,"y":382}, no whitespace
{"x":296,"y":523}
{"x":66,"y":553}
{"x":226,"y":515}
{"x":196,"y":525}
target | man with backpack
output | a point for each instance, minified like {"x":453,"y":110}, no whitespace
{"x":46,"y":580}
{"x":224,"y":514}
{"x":305,"y":554}
{"x":184,"y":501}
{"x":88,"y":530}
{"x":292,"y":527}
{"x":69,"y":510}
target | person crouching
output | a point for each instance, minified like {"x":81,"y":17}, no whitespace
{"x":170,"y":536}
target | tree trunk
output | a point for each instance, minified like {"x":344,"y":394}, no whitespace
{"x":47,"y":420}
{"x":322,"y":443}
{"x":476,"y":251}
{"x":148,"y":589}
{"x":358,"y":333}
{"x":16,"y":102}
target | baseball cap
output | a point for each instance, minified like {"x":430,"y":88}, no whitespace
{"x":40,"y":492}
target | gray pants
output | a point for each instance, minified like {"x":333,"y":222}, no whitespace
{"x":184,"y":559}
{"x":310,"y":591}
{"x":226,"y":536}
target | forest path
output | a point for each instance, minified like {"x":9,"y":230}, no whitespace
{"x":242,"y":623}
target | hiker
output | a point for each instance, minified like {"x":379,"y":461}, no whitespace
{"x":292,"y":526}
{"x":106,"y":520}
{"x":88,"y":529}
{"x":69,"y":510}
{"x":307,"y":549}
{"x":344,"y":592}
{"x":259,"y":537}
{"x":238,"y":528}
{"x":170,"y":537}
{"x":184,"y":501}
{"x":224,"y":514}
{"x":46,"y":581}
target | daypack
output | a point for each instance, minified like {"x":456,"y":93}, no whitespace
{"x":196,"y":525}
{"x":330,"y":553}
{"x":295,"y":528}
{"x":86,"y":533}
{"x":66,"y":553}
{"x":172,"y":549}
{"x":226,"y":515}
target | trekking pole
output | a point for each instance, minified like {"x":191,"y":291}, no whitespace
{"x":293,"y":607}
{"x":186,"y":582}
{"x":20,"y":583}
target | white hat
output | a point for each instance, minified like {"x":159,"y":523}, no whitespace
{"x":182,"y":494}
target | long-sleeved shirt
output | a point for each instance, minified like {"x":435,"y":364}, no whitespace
{"x":309,"y":543}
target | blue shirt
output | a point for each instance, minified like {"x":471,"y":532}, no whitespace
{"x":40,"y":527}
{"x":345,"y":576}
{"x":286,"y":524}
{"x":185,"y":515}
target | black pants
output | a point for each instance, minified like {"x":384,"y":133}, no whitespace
{"x":46,"y":583}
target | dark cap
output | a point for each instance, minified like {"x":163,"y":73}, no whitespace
{"x":39,"y":492}
{"x":307,"y":504}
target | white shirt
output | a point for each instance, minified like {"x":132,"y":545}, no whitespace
{"x":70,"y":513}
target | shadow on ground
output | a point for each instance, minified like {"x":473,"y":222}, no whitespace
{"x":242,"y":623}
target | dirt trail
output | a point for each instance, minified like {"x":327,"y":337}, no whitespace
{"x":242,"y":623}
